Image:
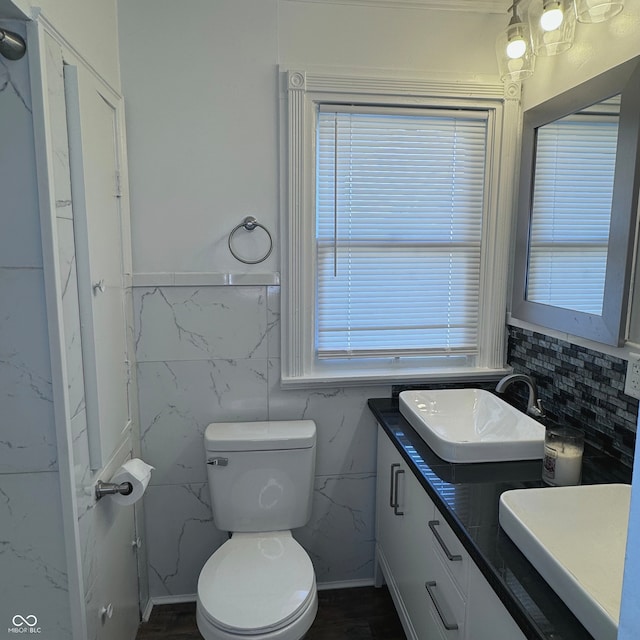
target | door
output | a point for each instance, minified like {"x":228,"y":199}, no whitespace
{"x":94,"y":157}
{"x":95,"y":178}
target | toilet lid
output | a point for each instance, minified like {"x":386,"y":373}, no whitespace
{"x":256,"y":582}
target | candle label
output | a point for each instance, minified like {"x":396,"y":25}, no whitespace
{"x":549,"y":463}
{"x":562,"y":467}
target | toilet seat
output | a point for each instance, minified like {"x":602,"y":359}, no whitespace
{"x":256,"y":584}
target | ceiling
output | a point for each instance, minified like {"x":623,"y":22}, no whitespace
{"x":477,"y":6}
{"x":9,"y":9}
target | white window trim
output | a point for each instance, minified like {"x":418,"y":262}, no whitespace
{"x":302,"y":92}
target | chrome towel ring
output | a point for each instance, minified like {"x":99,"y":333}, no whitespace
{"x":250,"y":224}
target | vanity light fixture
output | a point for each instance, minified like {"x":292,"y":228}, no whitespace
{"x":514,"y":48}
{"x":547,"y":30}
{"x":591,"y":11}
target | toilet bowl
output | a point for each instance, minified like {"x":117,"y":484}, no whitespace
{"x":259,"y":585}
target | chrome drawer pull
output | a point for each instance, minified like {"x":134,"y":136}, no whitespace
{"x":395,"y":493}
{"x":453,"y":557}
{"x":449,"y":626}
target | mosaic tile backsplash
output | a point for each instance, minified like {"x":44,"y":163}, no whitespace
{"x":578,"y":387}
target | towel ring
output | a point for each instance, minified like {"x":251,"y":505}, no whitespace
{"x":250,"y":224}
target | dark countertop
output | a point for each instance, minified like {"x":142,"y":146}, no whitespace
{"x":468,"y":497}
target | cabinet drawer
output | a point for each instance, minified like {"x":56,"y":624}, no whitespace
{"x":450,"y":551}
{"x":444,"y":602}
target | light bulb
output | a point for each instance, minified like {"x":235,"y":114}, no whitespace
{"x":552,"y":16}
{"x":516,"y":48}
{"x":516,"y":43}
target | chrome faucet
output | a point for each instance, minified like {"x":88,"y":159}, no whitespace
{"x":534,"y":406}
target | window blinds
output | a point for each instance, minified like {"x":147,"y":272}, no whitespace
{"x":571,"y":212}
{"x":399,"y":209}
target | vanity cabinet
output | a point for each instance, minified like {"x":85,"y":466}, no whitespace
{"x":438,"y":590}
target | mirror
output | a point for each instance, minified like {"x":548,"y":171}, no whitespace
{"x":572,"y":191}
{"x":577,"y":207}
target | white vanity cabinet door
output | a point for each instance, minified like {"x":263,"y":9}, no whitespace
{"x":390,"y":520}
{"x":402,"y":544}
{"x":405,"y":552}
{"x":487,"y":617}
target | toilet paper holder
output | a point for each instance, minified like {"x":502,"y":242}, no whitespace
{"x":111,"y":488}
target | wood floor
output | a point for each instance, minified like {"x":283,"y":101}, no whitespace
{"x":363,"y":613}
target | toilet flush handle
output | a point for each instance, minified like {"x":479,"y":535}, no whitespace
{"x":218,"y":462}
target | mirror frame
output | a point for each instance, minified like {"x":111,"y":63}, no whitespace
{"x":610,"y":327}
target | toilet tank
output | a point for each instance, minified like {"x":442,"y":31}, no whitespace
{"x":261,"y":474}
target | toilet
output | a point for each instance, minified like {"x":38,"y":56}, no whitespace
{"x":260,"y":584}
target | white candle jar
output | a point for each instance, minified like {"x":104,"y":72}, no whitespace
{"x":562,"y":463}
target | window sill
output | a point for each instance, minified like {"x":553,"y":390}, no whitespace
{"x":374,"y":377}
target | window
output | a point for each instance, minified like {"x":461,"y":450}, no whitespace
{"x":399,"y":210}
{"x":394,"y":258}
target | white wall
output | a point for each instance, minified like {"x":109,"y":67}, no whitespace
{"x":203,"y":113}
{"x":396,"y":39}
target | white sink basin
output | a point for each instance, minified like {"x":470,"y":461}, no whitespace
{"x":575,"y":537}
{"x":472,"y":425}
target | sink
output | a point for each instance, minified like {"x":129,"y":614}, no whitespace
{"x":575,"y":537}
{"x":472,"y":425}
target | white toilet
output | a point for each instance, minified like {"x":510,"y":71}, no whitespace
{"x":260,"y":584}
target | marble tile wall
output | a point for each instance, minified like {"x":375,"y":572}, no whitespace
{"x":27,"y":437}
{"x":33,"y":579}
{"x":32,"y":554}
{"x":207,"y":354}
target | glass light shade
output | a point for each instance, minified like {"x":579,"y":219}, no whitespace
{"x":515,"y":52}
{"x":590,"y":11}
{"x":553,"y":41}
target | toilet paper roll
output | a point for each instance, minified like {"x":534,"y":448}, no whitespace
{"x":138,"y":473}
